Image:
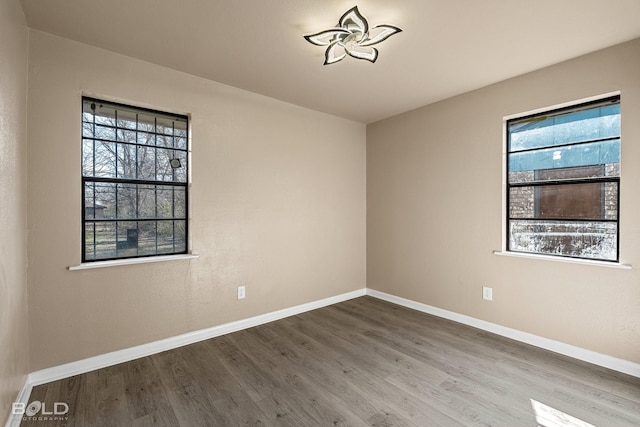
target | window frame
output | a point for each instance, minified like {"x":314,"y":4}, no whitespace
{"x":586,"y":104}
{"x":185,"y":185}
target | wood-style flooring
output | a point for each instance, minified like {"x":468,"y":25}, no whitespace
{"x":364,"y":362}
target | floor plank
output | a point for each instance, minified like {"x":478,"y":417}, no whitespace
{"x":363,"y":362}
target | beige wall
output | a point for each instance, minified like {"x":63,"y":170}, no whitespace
{"x":14,"y":355}
{"x":434,"y":211}
{"x":278,"y":205}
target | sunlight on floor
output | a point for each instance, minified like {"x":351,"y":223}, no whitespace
{"x":546,"y":416}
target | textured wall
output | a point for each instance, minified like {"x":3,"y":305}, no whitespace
{"x":435,"y":213}
{"x":277,"y":204}
{"x":14,"y":356}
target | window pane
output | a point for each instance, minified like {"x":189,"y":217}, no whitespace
{"x":180,"y":202}
{"x":165,"y":202}
{"x":127,"y":161}
{"x":147,"y":243}
{"x":522,"y":202}
{"x":167,"y":172}
{"x":146,"y":138}
{"x":181,"y":142}
{"x":105,"y":132}
{"x":596,"y":153}
{"x":87,"y":158}
{"x":99,"y":200}
{"x":180,"y":128}
{"x":593,"y":240}
{"x":126,"y":201}
{"x":180,"y":235}
{"x":181,"y":134}
{"x":87,"y":114}
{"x":105,"y":155}
{"x":105,"y":239}
{"x":165,"y":141}
{"x":573,"y":201}
{"x":171,"y":236}
{"x":146,"y":122}
{"x":611,"y":195}
{"x":592,"y":200}
{"x":127,"y":119}
{"x":125,"y":135}
{"x":146,"y":163}
{"x":89,"y":201}
{"x":164,"y":125}
{"x":147,"y":201}
{"x":87,"y":129}
{"x":104,"y":115}
{"x":89,"y":241}
{"x":127,"y":239}
{"x":165,"y":237}
{"x":583,"y":125}
{"x":179,"y":173}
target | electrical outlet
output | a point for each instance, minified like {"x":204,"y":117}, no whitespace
{"x":487,"y":293}
{"x":241,"y":292}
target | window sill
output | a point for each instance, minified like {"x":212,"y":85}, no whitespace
{"x":130,"y":261}
{"x":564,"y":259}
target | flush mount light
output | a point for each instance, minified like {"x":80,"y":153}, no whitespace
{"x":352,"y":37}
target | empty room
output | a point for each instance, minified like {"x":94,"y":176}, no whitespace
{"x":320,"y":213}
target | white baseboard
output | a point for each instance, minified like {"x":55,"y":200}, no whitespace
{"x":23,"y":397}
{"x":579,"y":353}
{"x":109,"y":359}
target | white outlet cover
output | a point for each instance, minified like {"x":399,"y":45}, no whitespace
{"x":487,"y":293}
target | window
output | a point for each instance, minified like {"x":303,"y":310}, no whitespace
{"x":563,"y":181}
{"x":134,"y":182}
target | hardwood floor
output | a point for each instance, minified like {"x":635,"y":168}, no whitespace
{"x":364,"y":362}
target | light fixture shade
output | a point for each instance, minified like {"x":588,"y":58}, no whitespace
{"x":325,"y":38}
{"x":352,"y":37}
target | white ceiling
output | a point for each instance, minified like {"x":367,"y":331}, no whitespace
{"x":447,"y":47}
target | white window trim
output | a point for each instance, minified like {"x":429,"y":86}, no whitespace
{"x":593,"y":262}
{"x":130,"y":261}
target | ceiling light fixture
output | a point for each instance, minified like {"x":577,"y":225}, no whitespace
{"x":352,"y":37}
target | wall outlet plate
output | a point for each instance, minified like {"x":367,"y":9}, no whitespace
{"x":487,"y":293}
{"x":241,"y":292}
